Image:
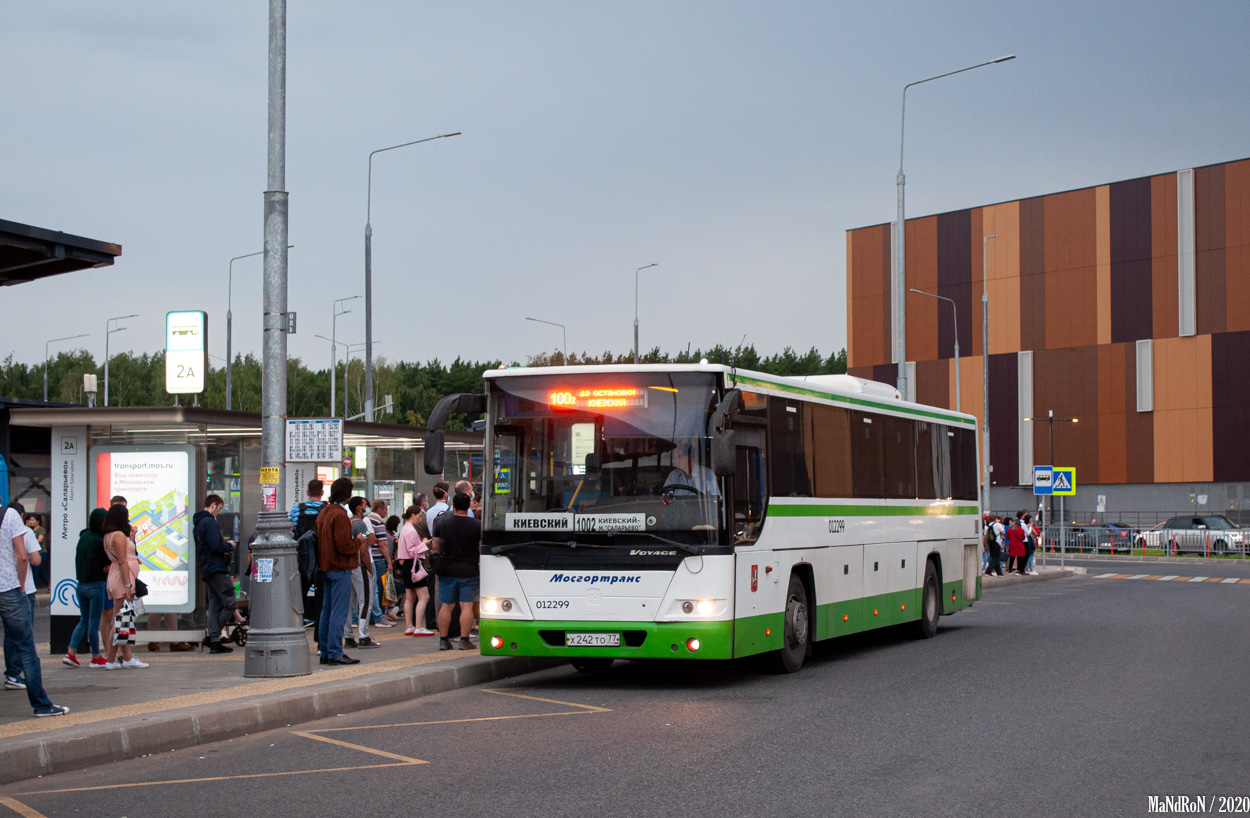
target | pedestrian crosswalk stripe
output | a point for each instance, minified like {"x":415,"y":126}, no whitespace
{"x":1175,"y":578}
{"x":1138,"y":576}
{"x":1199,"y":579}
{"x":1231,"y":581}
{"x":1106,"y":576}
{"x":1168,"y":577}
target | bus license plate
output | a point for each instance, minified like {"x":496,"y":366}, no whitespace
{"x":592,"y":640}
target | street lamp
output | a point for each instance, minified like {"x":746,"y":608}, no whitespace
{"x":566,"y":337}
{"x":1051,"y":420}
{"x":334,"y":333}
{"x":230,"y":320}
{"x":369,"y":293}
{"x":955,"y":325}
{"x":46,"y":359}
{"x":109,"y":329}
{"x":985,"y":376}
{"x":636,"y":272}
{"x":899,"y":282}
{"x":369,"y":271}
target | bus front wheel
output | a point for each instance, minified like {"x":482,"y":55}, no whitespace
{"x":930,"y":605}
{"x":796,"y":631}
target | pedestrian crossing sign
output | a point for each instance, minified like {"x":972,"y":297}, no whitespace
{"x":1064,"y":481}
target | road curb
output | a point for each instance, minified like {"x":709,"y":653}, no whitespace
{"x":989,"y":583}
{"x":119,"y":739}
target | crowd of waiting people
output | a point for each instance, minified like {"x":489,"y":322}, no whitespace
{"x":1017,"y":537}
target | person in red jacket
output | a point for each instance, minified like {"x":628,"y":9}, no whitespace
{"x":1015,"y":548}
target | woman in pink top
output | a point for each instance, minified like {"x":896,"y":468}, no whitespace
{"x":123,"y":573}
{"x":411,"y":553}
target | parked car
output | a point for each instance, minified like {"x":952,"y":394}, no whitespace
{"x":1094,"y":536}
{"x":1194,"y":534}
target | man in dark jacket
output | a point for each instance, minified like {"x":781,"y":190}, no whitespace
{"x":339,"y":556}
{"x":213,"y":555}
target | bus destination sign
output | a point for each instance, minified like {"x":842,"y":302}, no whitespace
{"x":597,"y":398}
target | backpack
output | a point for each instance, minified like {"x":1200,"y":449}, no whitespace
{"x":306,"y":550}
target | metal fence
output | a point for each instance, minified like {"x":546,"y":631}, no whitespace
{"x":1088,"y":539}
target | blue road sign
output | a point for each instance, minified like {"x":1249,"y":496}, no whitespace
{"x":1064,"y":483}
{"x":1043,"y":480}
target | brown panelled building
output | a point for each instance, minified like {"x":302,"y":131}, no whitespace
{"x":1126,"y":305}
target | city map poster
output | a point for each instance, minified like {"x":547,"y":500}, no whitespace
{"x":156,"y":484}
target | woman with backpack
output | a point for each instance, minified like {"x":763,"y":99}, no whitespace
{"x":412,"y":571}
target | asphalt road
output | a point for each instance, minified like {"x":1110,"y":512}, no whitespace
{"x":1075,"y":696}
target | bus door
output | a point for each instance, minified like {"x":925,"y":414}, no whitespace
{"x":749,"y":486}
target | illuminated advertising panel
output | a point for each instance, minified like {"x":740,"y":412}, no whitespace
{"x":156,"y":482}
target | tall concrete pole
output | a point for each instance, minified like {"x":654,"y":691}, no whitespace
{"x":898,"y":282}
{"x":277,"y":644}
{"x":985,"y":376}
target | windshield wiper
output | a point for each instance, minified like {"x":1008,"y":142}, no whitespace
{"x":512,"y":546}
{"x":680,"y":546}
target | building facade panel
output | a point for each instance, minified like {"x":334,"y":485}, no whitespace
{"x":1139,"y":456}
{"x":1112,"y":415}
{"x":1209,"y":246}
{"x":923,"y":319}
{"x":1164,"y":280}
{"x":1032,"y":275}
{"x":1237,"y":243}
{"x":1230,"y":410}
{"x":1131,"y":261}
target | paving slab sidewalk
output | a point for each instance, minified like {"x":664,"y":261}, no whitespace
{"x":1043,"y":574}
{"x":184,"y":699}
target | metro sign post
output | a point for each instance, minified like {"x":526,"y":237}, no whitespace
{"x":186,"y":351}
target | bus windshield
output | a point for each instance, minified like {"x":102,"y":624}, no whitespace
{"x":621,"y":452}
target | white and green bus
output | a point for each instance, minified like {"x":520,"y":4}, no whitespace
{"x":699,"y":511}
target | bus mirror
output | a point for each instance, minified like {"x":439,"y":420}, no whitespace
{"x":594,"y":462}
{"x":724,"y":453}
{"x":434,"y":452}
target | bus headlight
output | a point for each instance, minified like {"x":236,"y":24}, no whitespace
{"x":698,"y":607}
{"x":492,"y":605}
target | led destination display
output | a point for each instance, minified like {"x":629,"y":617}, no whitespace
{"x":597,"y":398}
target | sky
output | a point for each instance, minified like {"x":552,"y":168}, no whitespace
{"x":733,"y":144}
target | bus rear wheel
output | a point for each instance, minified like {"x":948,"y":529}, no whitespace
{"x":591,"y":664}
{"x":930,"y":605}
{"x":796,"y":632}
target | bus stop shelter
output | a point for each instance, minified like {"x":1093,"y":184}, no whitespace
{"x":165,"y":460}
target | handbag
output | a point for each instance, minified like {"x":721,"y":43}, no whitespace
{"x":388,"y":591}
{"x":437,"y":562}
{"x":141,"y":588}
{"x":418,"y":570}
{"x":124,"y":624}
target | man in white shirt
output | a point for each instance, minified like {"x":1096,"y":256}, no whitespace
{"x":12,"y":669}
{"x":16,"y":613}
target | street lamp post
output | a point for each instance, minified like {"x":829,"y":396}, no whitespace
{"x":277,"y":643}
{"x":955,"y":325}
{"x":636,"y":272}
{"x":1051,"y":420}
{"x":46,"y":359}
{"x":566,"y":337}
{"x":334,"y":330}
{"x":230,"y":322}
{"x":899,"y":282}
{"x":985,"y":376}
{"x":109,"y":329}
{"x":369,"y":288}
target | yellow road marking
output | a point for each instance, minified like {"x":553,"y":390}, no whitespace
{"x":1245,"y":582}
{"x":1216,"y":579}
{"x":401,"y":761}
{"x":241,"y":692}
{"x":583,"y":709}
{"x":1153,"y":576}
{"x":589,"y":707}
{"x":212,"y":778}
{"x":383,"y":753}
{"x":20,"y":808}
